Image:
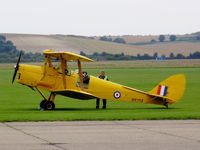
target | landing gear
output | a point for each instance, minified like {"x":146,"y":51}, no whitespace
{"x":47,"y":104}
{"x":42,"y":103}
{"x":165,"y":103}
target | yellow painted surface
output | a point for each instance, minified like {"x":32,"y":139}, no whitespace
{"x":66,"y":55}
{"x":176,"y":87}
{"x":50,"y":78}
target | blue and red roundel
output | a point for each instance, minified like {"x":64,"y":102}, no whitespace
{"x":117,"y":94}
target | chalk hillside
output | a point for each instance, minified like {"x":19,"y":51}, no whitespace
{"x":89,"y":45}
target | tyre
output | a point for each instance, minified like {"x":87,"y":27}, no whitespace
{"x":42,"y":103}
{"x":49,"y":105}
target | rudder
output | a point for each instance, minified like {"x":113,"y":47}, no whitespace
{"x":171,"y":88}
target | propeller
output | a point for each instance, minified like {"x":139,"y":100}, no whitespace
{"x":16,"y":67}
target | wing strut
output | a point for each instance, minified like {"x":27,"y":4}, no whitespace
{"x":64,"y":67}
{"x":41,"y":93}
{"x":80,"y":74}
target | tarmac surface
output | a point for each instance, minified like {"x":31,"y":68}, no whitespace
{"x":101,"y":135}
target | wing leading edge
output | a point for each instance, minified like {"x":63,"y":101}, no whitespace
{"x":66,"y":55}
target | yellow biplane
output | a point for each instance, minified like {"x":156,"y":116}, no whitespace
{"x":58,"y":80}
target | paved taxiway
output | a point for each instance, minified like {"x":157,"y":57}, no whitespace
{"x":101,"y":135}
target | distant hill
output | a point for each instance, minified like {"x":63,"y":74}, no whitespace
{"x":37,"y":43}
{"x":89,"y":45}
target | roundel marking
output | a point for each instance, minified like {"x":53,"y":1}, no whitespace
{"x":117,"y":94}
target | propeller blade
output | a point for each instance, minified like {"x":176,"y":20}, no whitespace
{"x":16,"y":67}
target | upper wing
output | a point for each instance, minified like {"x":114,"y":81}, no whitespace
{"x":67,"y":56}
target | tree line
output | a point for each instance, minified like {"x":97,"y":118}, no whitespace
{"x":116,"y":40}
{"x":107,"y":56}
{"x":9,"y":53}
{"x":173,"y":38}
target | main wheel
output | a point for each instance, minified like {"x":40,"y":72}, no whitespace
{"x":49,"y":105}
{"x":42,"y":103}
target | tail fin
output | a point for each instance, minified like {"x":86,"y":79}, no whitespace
{"x":172,"y":88}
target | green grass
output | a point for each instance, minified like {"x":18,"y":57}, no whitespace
{"x":19,"y":103}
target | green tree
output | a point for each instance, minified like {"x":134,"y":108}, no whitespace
{"x":119,"y":40}
{"x":171,"y":55}
{"x":104,"y":38}
{"x":195,"y":55}
{"x":95,"y":54}
{"x":104,"y":54}
{"x":6,"y":46}
{"x":2,"y":38}
{"x":122,"y":54}
{"x":161,"y":38}
{"x":172,"y":38}
{"x":198,"y":37}
{"x":155,"y":55}
{"x":9,"y":53}
{"x":180,"y":56}
{"x":82,"y":53}
{"x":153,"y":41}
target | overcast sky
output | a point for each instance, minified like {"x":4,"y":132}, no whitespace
{"x":100,"y":17}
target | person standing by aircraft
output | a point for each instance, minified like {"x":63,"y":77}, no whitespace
{"x":104,"y":77}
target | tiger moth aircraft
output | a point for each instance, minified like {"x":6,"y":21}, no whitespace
{"x":58,"y":80}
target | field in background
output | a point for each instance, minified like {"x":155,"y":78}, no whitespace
{"x":19,"y":103}
{"x":37,"y":43}
{"x":184,"y":48}
{"x":148,"y":38}
{"x":126,"y":64}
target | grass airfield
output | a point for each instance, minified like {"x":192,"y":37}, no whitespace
{"x":19,"y":103}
